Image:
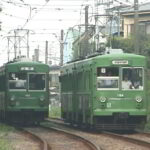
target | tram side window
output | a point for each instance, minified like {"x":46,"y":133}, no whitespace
{"x":2,"y":83}
{"x":37,"y":82}
{"x":107,"y":78}
{"x":17,"y":80}
{"x":132,"y":78}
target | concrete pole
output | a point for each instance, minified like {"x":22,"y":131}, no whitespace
{"x":46,"y":52}
{"x":136,"y":28}
{"x":61,"y":47}
{"x":28,"y":44}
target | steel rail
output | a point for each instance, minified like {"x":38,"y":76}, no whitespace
{"x":90,"y":144}
{"x":42,"y":142}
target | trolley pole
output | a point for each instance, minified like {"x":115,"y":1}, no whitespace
{"x":136,"y":28}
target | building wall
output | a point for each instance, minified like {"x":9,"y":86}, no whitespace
{"x":129,"y":24}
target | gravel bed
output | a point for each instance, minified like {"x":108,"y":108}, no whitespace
{"x":139,"y":137}
{"x":106,"y":143}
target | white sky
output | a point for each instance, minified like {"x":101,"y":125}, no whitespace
{"x":44,"y":19}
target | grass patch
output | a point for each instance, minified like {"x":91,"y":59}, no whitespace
{"x":55,"y":111}
{"x":5,"y":144}
{"x":5,"y":128}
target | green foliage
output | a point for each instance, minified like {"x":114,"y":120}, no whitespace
{"x":127,"y":44}
{"x":55,"y":111}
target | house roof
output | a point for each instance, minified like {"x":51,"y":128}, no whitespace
{"x":145,"y":8}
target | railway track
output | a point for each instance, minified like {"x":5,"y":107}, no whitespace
{"x":43,"y":145}
{"x":130,"y":139}
{"x":61,"y":139}
{"x":139,"y":139}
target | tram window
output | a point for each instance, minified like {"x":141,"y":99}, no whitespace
{"x":37,"y":81}
{"x":17,"y":80}
{"x":107,"y":83}
{"x":107,"y":78}
{"x":132,"y":78}
{"x":107,"y":71}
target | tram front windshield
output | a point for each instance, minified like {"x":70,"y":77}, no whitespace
{"x":18,"y":81}
{"x":129,"y":78}
{"x":37,"y":82}
{"x":132,"y":78}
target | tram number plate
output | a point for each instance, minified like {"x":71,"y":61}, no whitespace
{"x":108,"y":105}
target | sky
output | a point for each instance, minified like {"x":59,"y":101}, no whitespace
{"x":44,"y":20}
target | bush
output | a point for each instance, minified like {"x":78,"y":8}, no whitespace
{"x":55,"y":112}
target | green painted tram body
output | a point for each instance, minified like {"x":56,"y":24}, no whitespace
{"x":105,"y":108}
{"x":26,"y":104}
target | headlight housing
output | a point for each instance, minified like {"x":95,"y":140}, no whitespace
{"x":138,"y":99}
{"x":12,"y":98}
{"x":102,"y":99}
{"x":42,"y":98}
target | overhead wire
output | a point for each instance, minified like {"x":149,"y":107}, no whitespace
{"x":30,"y":17}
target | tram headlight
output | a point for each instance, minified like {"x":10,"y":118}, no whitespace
{"x":12,"y":98}
{"x":138,"y":99}
{"x":42,"y":98}
{"x":102,"y":99}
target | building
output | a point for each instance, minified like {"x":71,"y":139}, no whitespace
{"x":71,"y":35}
{"x":144,"y":20}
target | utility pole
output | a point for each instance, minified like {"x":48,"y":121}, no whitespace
{"x":36,"y":54}
{"x":96,"y":26}
{"x":8,"y":50}
{"x":136,"y":28}
{"x":46,"y":52}
{"x":0,"y":21}
{"x":85,"y":51}
{"x":21,"y":40}
{"x":86,"y":18}
{"x":15,"y":44}
{"x":27,"y":43}
{"x":11,"y":46}
{"x":61,"y":47}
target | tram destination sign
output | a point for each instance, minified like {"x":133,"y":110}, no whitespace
{"x":27,"y":68}
{"x":120,"y":62}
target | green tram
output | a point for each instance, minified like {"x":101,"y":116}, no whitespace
{"x":105,"y":91}
{"x":24,"y":92}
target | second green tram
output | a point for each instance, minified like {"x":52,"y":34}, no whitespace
{"x":105,"y":92}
